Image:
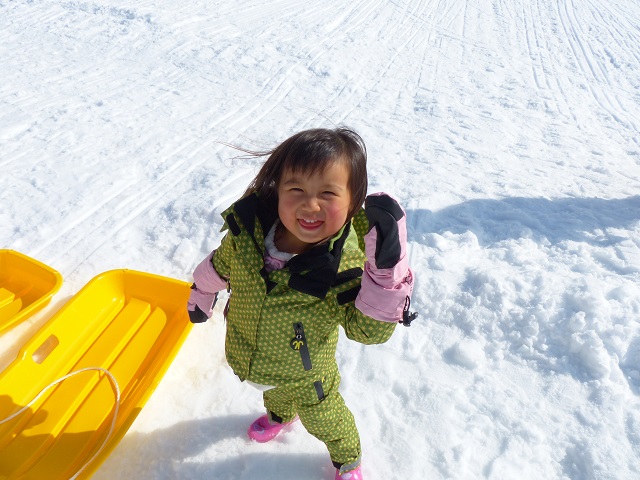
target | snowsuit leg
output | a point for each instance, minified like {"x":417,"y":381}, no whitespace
{"x":323,"y":413}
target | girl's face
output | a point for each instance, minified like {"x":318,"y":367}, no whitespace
{"x":313,"y":207}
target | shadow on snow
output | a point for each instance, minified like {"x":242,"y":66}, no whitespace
{"x":556,"y":220}
{"x":167,"y":454}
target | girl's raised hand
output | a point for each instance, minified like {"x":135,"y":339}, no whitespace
{"x":387,"y":281}
{"x":387,"y":230}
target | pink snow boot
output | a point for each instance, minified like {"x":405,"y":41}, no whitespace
{"x":351,"y":475}
{"x":262,"y":430}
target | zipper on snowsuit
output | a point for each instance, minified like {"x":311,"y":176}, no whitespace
{"x":299,"y":343}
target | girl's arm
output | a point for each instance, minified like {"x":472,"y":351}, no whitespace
{"x":387,"y":281}
{"x":209,"y":277}
{"x":365,"y":329}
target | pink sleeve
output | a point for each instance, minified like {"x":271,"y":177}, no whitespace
{"x":206,"y":278}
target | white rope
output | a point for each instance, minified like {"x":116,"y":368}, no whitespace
{"x":113,"y":381}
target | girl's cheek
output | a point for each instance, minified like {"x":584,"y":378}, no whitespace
{"x":338,"y":207}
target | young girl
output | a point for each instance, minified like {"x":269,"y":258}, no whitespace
{"x":293,"y":260}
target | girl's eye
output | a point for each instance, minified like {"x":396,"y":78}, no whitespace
{"x":329,"y":194}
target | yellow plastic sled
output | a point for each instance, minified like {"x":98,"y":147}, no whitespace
{"x":118,"y":334}
{"x":26,"y":286}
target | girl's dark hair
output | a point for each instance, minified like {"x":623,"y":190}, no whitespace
{"x":309,"y":152}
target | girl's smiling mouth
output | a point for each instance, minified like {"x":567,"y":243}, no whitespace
{"x":309,"y":224}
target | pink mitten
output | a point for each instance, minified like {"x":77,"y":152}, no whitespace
{"x":204,"y":291}
{"x":387,"y":281}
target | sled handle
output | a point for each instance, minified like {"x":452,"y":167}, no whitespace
{"x":45,"y":349}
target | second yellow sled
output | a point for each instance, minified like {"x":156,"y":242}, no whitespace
{"x":26,"y":286}
{"x":90,"y":369}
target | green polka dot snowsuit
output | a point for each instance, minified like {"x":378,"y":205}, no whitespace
{"x":282,"y":326}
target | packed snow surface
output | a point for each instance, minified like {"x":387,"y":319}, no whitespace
{"x":509,"y":130}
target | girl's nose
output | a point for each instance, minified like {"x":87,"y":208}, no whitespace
{"x":312,"y":204}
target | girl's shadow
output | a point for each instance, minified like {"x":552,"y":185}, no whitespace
{"x":166,"y":454}
{"x":492,"y":221}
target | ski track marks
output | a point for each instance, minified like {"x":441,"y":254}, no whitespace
{"x":106,"y":212}
{"x":195,"y":43}
{"x":591,"y":64}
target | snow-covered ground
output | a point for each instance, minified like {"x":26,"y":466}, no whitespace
{"x":510,"y":131}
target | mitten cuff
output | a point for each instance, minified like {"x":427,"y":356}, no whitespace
{"x":384,"y":303}
{"x":206,"y":278}
{"x":200,"y":305}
